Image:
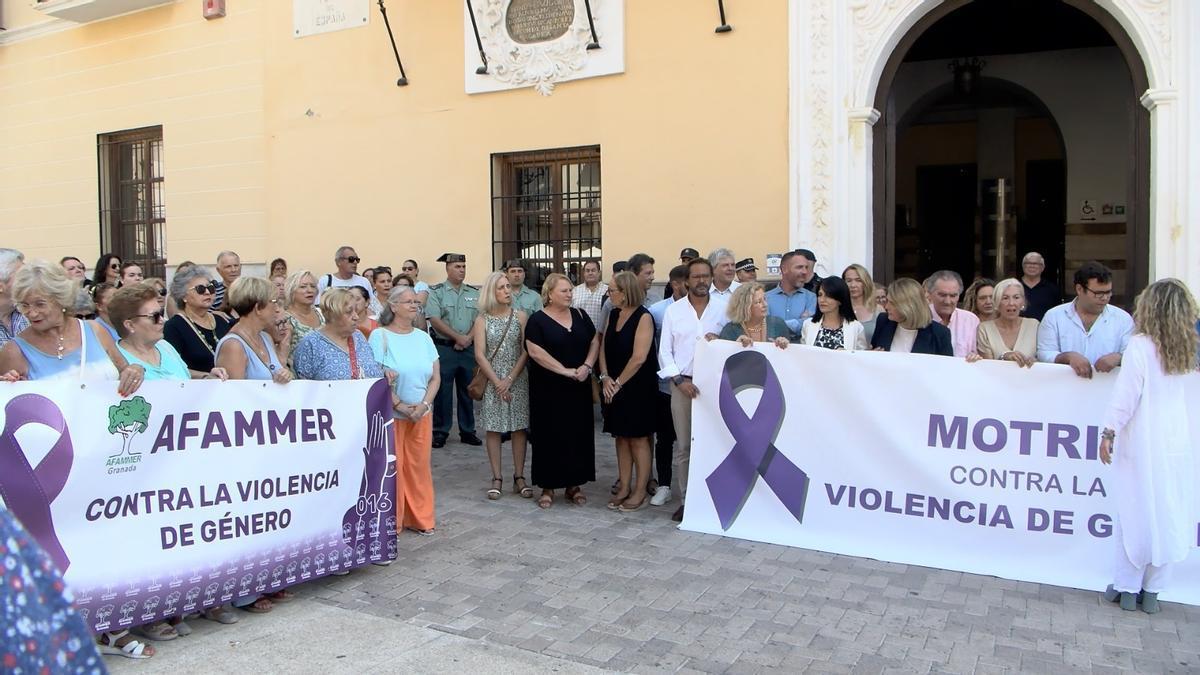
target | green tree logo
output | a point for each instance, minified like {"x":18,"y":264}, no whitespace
{"x":128,"y":418}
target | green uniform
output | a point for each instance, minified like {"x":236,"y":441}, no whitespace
{"x":528,"y":301}
{"x":458,"y":308}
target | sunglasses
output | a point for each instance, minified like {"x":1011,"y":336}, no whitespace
{"x":354,"y":260}
{"x":162,"y":292}
{"x":156,"y":317}
{"x":205,"y":289}
{"x":115,"y":266}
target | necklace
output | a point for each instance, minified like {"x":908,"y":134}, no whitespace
{"x":203,"y":335}
{"x":62,"y":337}
{"x":760,"y":330}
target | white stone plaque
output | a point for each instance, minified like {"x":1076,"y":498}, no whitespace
{"x":312,"y":17}
{"x":539,"y":43}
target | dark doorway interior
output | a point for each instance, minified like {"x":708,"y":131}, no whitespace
{"x":1042,"y":227}
{"x":945,"y":218}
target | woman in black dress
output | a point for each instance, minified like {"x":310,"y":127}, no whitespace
{"x":562,"y":345}
{"x":630,"y":380}
{"x":196,"y":329}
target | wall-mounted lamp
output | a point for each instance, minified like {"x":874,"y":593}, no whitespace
{"x":966,"y":74}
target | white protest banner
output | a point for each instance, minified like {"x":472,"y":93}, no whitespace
{"x":927,"y":460}
{"x":194,"y":494}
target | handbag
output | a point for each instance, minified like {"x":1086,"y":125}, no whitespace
{"x":479,"y":382}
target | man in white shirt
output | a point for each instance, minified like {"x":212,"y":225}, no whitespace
{"x":590,"y":295}
{"x":943,"y":289}
{"x":686,"y":322}
{"x":347,"y":273}
{"x":1086,"y":332}
{"x":724,"y":273}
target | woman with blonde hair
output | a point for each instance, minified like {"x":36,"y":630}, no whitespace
{"x":500,"y":355}
{"x":748,"y":319}
{"x":300,"y":298}
{"x":980,"y":299}
{"x":908,"y":326}
{"x":863,"y":297}
{"x":1009,"y":336}
{"x":1149,"y":431}
{"x":563,"y":346}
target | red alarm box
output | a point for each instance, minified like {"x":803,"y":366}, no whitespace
{"x":213,"y":9}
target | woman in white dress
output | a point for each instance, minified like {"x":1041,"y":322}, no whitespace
{"x":1147,"y":431}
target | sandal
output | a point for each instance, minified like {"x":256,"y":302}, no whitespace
{"x":494,"y":492}
{"x":260,"y":606}
{"x":615,"y":502}
{"x":525,"y":491}
{"x":423,"y":533}
{"x":546,"y":500}
{"x":180,"y":625}
{"x":625,"y":506}
{"x":282,"y":595}
{"x":221,"y":614}
{"x":110,"y":643}
{"x":160,"y":631}
{"x":575,"y":495}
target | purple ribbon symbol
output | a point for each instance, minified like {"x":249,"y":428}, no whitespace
{"x":29,"y":491}
{"x":754,"y":453}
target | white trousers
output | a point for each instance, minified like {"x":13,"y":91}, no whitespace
{"x":1130,"y":578}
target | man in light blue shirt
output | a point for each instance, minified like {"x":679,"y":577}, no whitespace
{"x":789,"y":300}
{"x":1086,"y":332}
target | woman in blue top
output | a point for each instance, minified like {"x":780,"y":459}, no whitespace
{"x":259,"y":356}
{"x":138,"y":318}
{"x":56,"y":346}
{"x":338,"y":350}
{"x":410,"y":353}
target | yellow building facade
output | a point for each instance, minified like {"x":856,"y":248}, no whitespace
{"x":274,"y":145}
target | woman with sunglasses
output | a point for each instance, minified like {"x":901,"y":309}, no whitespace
{"x":137,"y":313}
{"x":108,"y":270}
{"x":195,"y":331}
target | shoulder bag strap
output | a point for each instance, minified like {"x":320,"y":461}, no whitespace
{"x":507,"y":325}
{"x":82,"y":347}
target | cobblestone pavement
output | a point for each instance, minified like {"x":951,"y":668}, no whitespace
{"x":575,"y":588}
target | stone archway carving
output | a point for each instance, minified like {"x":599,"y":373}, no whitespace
{"x":839,"y":52}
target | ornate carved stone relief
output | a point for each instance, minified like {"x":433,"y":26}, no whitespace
{"x":539,"y":43}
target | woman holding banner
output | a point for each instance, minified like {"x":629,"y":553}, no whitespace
{"x":1149,"y":430}
{"x":57,"y":346}
{"x":748,"y":320}
{"x":908,"y":326}
{"x":300,"y":292}
{"x":138,"y":319}
{"x":338,"y":350}
{"x":398,"y":346}
{"x":834,"y":325}
{"x":1009,"y":336}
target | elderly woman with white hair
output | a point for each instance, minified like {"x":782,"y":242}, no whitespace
{"x":195,"y":331}
{"x":410,"y":353}
{"x":57,"y":345}
{"x":338,"y":350}
{"x":1008,"y":337}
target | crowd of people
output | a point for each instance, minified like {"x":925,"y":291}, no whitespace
{"x":538,"y":362}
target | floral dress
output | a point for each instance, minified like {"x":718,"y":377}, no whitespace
{"x":299,"y":330}
{"x":830,"y":338}
{"x":498,"y":415}
{"x":40,"y":632}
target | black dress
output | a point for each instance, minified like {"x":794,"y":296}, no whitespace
{"x":196,"y":344}
{"x":560,"y":408}
{"x":632,"y":413}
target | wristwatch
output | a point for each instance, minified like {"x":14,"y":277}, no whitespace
{"x":678,"y":380}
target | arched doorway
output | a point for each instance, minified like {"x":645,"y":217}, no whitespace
{"x":1046,"y":73}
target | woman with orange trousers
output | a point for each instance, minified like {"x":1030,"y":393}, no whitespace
{"x":410,"y":353}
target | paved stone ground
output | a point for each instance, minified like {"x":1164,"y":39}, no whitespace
{"x":508,"y":587}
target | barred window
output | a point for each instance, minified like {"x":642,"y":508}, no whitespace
{"x":132,"y":217}
{"x":546,"y":210}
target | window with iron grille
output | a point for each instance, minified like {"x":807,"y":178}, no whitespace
{"x":132,"y":218}
{"x":546,"y":210}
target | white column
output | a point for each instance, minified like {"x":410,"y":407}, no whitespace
{"x":856,"y":243}
{"x":1168,"y":238}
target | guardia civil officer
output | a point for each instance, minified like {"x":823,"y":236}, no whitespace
{"x":523,"y":298}
{"x":451,"y":310}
